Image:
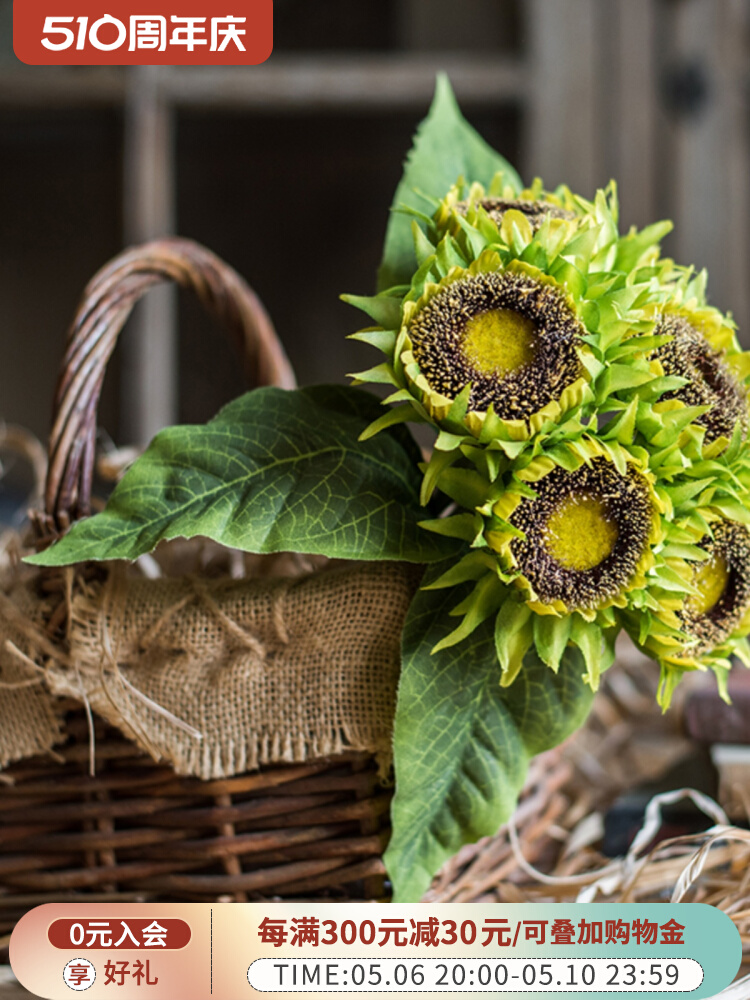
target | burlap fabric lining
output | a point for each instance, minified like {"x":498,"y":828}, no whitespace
{"x":29,"y":722}
{"x":219,"y":677}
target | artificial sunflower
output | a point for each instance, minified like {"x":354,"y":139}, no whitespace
{"x":477,"y":205}
{"x":535,"y":211}
{"x":558,"y":545}
{"x":710,"y":381}
{"x":511,"y":336}
{"x":591,"y":410}
{"x":722,"y":585}
{"x":509,"y":327}
{"x":585,"y":536}
{"x":694,"y":612}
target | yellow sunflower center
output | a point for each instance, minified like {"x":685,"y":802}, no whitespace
{"x":499,"y":341}
{"x":710,"y":578}
{"x":581,"y":533}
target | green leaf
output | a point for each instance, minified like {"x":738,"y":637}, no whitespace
{"x":449,"y":255}
{"x":474,"y":238}
{"x":439,"y":461}
{"x":670,"y":579}
{"x":665,"y":383}
{"x":274,"y":471}
{"x":581,"y":247}
{"x":423,"y":249}
{"x":462,"y":742}
{"x":569,"y":275}
{"x":622,"y":428}
{"x":472,"y":566}
{"x":615,"y":378}
{"x":467,"y":527}
{"x":673,"y":422}
{"x":468,"y":488}
{"x":445,"y":147}
{"x":733,"y":509}
{"x":681,"y":551}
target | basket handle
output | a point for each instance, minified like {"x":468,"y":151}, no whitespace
{"x":105,"y":306}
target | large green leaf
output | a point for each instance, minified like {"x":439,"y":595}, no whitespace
{"x":445,"y":148}
{"x":274,"y":471}
{"x":462,"y":743}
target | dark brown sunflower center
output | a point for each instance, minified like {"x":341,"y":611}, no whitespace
{"x":512,"y":337}
{"x":710,"y":380}
{"x":723,"y":585}
{"x":585,"y":533}
{"x":535,"y":211}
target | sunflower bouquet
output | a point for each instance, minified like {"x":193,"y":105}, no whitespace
{"x":589,"y":473}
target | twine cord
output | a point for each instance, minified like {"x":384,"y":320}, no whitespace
{"x":623,"y":873}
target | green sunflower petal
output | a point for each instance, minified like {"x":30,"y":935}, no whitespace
{"x":383,"y":309}
{"x":383,"y":340}
{"x":380,"y":375}
{"x":398,"y":415}
{"x":551,"y":635}
{"x":482,"y":602}
{"x":473,"y":566}
{"x":590,"y":640}
{"x":514,"y":634}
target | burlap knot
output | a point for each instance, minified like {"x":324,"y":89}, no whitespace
{"x":219,"y":677}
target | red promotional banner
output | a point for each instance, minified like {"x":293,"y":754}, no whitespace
{"x":132,"y":33}
{"x":105,"y":932}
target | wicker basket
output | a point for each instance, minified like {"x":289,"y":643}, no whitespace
{"x":136,"y":831}
{"x":133,"y":829}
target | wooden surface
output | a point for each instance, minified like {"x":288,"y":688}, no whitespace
{"x":149,"y":371}
{"x":563,"y":130}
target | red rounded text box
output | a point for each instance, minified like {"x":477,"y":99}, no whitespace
{"x":135,"y":33}
{"x":119,"y":933}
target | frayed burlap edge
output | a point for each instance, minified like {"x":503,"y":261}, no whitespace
{"x":220,"y":677}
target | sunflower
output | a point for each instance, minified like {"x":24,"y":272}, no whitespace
{"x":535,"y":211}
{"x":710,"y":382}
{"x":590,"y":409}
{"x":508,"y":330}
{"x":479,"y":205}
{"x":574,"y":529}
{"x":694,"y":613}
{"x":722,"y":588}
{"x":511,"y":336}
{"x":557,"y":546}
{"x":585,"y":535}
